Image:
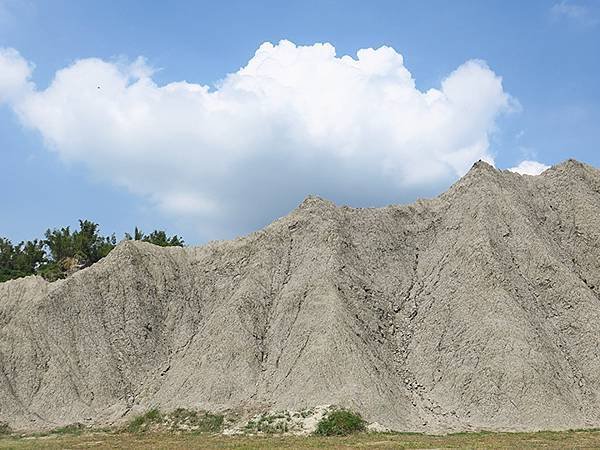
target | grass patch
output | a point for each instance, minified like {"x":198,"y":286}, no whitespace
{"x":470,"y":433}
{"x":340,"y":422}
{"x":168,"y":439}
{"x":74,"y":428}
{"x":143,"y":423}
{"x":584,"y":430}
{"x":183,"y":418}
{"x":270,"y":423}
{"x":180,"y":419}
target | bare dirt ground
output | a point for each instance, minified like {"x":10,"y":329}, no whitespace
{"x":475,"y":310}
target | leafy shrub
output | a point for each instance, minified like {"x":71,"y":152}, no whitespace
{"x":142,"y":423}
{"x":210,"y":423}
{"x":180,"y":419}
{"x":340,"y":422}
{"x":199,"y":422}
{"x":277,"y":423}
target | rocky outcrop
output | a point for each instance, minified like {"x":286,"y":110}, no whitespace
{"x":479,"y":309}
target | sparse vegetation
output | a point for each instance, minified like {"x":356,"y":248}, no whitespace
{"x":192,"y":420}
{"x":74,"y":428}
{"x":340,"y":422}
{"x":307,"y":412}
{"x":95,"y":439}
{"x":277,"y":423}
{"x":4,"y":429}
{"x":144,"y":422}
{"x":340,"y":428}
{"x":157,"y":237}
{"x":179,"y":420}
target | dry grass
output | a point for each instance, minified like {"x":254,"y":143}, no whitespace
{"x":565,"y":439}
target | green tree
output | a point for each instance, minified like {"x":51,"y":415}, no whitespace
{"x":60,"y":243}
{"x":138,"y":235}
{"x":20,"y":260}
{"x":88,"y":245}
{"x":64,"y":251}
{"x":6,"y":255}
{"x":71,"y":251}
{"x":30,"y":256}
{"x":7,"y":252}
{"x":157,"y":237}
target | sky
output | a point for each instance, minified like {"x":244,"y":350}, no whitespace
{"x":212,"y":119}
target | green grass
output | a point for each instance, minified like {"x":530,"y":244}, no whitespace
{"x":180,"y":419}
{"x":198,"y":422}
{"x":74,"y":428}
{"x":180,"y":440}
{"x":340,"y":422}
{"x":339,"y":429}
{"x":141,"y":424}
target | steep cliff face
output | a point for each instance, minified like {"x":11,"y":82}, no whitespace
{"x":477,"y":309}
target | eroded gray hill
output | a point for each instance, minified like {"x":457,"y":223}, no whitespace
{"x":477,"y":309}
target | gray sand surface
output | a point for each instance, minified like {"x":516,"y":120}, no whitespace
{"x":479,"y":309}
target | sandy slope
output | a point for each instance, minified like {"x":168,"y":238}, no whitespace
{"x":477,"y":309}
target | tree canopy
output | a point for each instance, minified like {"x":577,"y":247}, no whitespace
{"x":157,"y":237}
{"x":20,"y":260}
{"x":64,"y":251}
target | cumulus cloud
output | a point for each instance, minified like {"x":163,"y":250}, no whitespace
{"x":529,"y":168}
{"x":294,"y":120}
{"x":14,"y":75}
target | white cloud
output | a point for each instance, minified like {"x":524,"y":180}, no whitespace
{"x":574,"y":12}
{"x":14,"y":75}
{"x":529,"y":168}
{"x":295,"y":120}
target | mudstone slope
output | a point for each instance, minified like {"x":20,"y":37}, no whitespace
{"x":479,"y":309}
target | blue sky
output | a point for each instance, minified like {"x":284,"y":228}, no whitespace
{"x":547,"y":54}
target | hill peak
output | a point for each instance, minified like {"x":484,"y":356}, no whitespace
{"x":571,"y":165}
{"x":316,"y":202}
